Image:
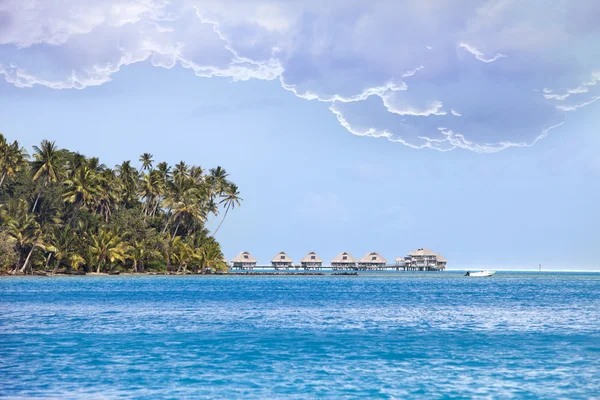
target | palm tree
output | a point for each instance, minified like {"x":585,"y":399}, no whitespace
{"x":180,"y":174}
{"x":230,"y":201}
{"x":27,"y":234}
{"x":129,"y":178}
{"x":106,"y":247}
{"x":139,"y":252}
{"x":218,"y":180}
{"x":82,"y":189}
{"x":25,"y":231}
{"x":183,"y":254}
{"x":109,"y":193}
{"x":211,"y":256}
{"x":13,"y":158}
{"x":46,"y":166}
{"x":164,"y":170}
{"x":151,"y":189}
{"x":64,"y":239}
{"x":146,"y":160}
{"x":186,"y":209}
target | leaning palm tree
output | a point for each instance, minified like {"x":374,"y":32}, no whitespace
{"x":146,"y":160}
{"x":46,"y":166}
{"x":230,"y":201}
{"x":218,"y":180}
{"x":25,"y":231}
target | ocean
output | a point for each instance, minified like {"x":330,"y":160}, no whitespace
{"x":390,"y":336}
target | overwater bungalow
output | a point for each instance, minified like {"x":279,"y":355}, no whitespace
{"x":343,"y":261}
{"x":281,"y":261}
{"x":244,"y":260}
{"x":311,"y":261}
{"x":425,"y":260}
{"x":372,"y":260}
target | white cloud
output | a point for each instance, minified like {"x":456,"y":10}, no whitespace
{"x":479,"y":55}
{"x":387,"y":71}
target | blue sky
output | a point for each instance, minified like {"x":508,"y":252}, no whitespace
{"x":471,"y":130}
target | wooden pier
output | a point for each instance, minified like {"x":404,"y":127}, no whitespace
{"x":329,"y":268}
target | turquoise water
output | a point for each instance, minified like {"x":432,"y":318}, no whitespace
{"x":425,"y":335}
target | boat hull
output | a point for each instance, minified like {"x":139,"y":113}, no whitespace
{"x":481,"y":274}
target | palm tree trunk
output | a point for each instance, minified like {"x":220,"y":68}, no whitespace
{"x":211,"y":220}
{"x":17,"y":264}
{"x":98,"y":268}
{"x":166,"y":225}
{"x":27,"y":259}
{"x":56,"y":265}
{"x":154,"y":209}
{"x":3,"y":176}
{"x":75,"y":214}
{"x":36,"y":200}
{"x":168,"y":219}
{"x":224,"y":215}
{"x":48,"y":261}
{"x":176,"y":229}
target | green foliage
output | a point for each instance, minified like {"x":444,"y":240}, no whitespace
{"x":8,"y":252}
{"x":62,"y":211}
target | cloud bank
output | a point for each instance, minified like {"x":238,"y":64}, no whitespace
{"x":482,"y":76}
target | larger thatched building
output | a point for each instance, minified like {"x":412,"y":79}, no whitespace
{"x":425,"y":260}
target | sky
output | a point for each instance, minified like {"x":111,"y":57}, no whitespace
{"x":470,"y":129}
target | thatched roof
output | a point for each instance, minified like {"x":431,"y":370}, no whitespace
{"x":399,"y":259}
{"x":422,"y":252}
{"x":344,"y":258}
{"x":309,"y":258}
{"x":244,"y":257}
{"x":440,"y":258}
{"x":281,"y":257}
{"x":373,"y":258}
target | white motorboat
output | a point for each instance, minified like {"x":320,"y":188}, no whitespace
{"x":480,"y":274}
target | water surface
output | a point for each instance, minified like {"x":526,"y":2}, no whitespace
{"x":527,"y":335}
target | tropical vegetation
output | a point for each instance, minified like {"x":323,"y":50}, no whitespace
{"x":63,"y":212}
